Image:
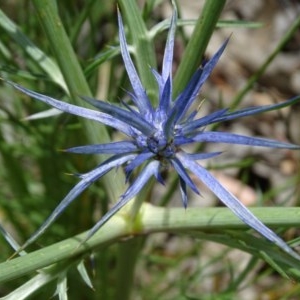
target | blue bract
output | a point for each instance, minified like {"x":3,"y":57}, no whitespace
{"x":155,"y":136}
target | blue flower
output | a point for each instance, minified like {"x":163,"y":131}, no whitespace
{"x":155,"y":136}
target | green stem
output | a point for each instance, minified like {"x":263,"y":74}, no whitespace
{"x":144,"y":196}
{"x":289,"y":34}
{"x":143,"y":46}
{"x":128,"y":254}
{"x":76,"y":82}
{"x":144,"y":54}
{"x":77,"y":85}
{"x":194,"y":52}
{"x":129,"y":251}
{"x":151,"y":219}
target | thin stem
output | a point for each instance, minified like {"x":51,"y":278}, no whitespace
{"x":289,"y":34}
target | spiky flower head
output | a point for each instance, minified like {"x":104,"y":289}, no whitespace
{"x":155,"y":137}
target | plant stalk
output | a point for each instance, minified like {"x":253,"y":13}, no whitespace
{"x":76,"y":82}
{"x":151,"y":219}
{"x":194,"y":52}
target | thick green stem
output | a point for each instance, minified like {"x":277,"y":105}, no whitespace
{"x":77,"y":85}
{"x":129,"y":251}
{"x":151,"y":219}
{"x":128,"y":254}
{"x":193,"y":54}
{"x":76,"y":82}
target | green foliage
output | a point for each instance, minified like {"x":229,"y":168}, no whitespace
{"x":66,"y":50}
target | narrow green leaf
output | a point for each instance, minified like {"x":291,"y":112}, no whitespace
{"x":46,"y":63}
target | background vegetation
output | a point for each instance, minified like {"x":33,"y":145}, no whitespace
{"x":70,"y":48}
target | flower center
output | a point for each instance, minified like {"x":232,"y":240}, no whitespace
{"x":161,"y":147}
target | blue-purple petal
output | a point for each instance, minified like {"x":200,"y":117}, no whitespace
{"x":142,"y":99}
{"x":86,"y":180}
{"x":183,"y":174}
{"x":151,"y":169}
{"x":179,"y":107}
{"x":159,"y":81}
{"x":169,"y":49}
{"x":121,"y":147}
{"x":234,"y":204}
{"x":105,"y":218}
{"x":137,"y":161}
{"x":183,"y":192}
{"x":181,"y":140}
{"x":231,"y":138}
{"x":167,"y":127}
{"x":164,"y":101}
{"x":187,"y":97}
{"x":132,"y":119}
{"x":77,"y":110}
{"x":202,"y":155}
{"x":189,"y":127}
{"x":249,"y":111}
